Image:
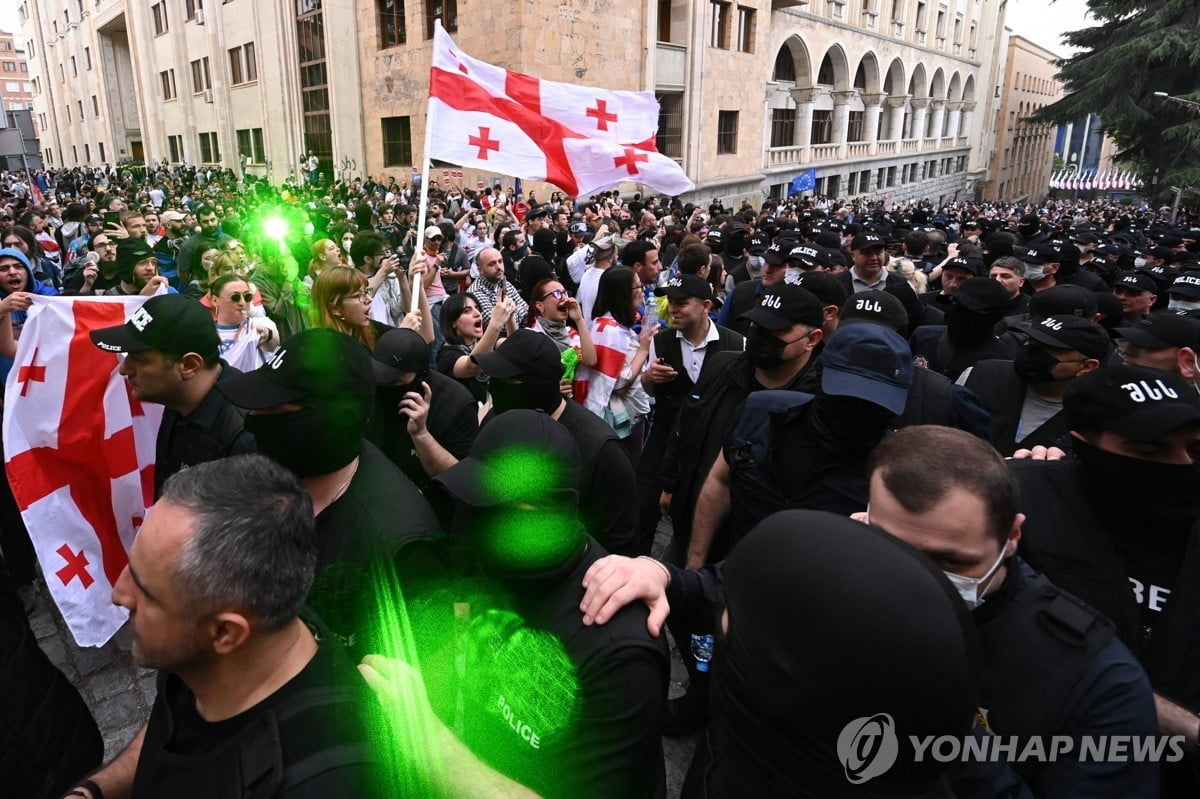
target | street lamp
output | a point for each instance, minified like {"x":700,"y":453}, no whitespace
{"x":1192,"y":105}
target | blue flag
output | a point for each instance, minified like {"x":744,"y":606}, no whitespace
{"x":805,"y":181}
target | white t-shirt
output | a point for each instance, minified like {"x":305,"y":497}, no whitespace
{"x":589,"y":287}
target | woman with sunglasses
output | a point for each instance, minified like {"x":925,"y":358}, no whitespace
{"x":558,"y":315}
{"x":245,"y":340}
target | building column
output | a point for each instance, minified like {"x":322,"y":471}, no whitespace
{"x":920,"y":106}
{"x":874,"y":108}
{"x":968,"y":116}
{"x":939,"y":116}
{"x":803,"y":98}
{"x":841,"y":116}
{"x":897,"y":108}
{"x":955,"y":119}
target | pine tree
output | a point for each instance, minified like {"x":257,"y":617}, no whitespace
{"x":1139,"y":47}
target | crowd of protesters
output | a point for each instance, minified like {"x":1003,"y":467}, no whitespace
{"x":935,"y":463}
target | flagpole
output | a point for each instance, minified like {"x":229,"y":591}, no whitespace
{"x":423,"y":206}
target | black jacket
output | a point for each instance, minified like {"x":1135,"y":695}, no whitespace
{"x":1003,"y":394}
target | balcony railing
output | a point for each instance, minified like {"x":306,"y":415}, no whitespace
{"x":670,"y":65}
{"x":858,"y":149}
{"x":822,"y":153}
{"x":825,"y":152}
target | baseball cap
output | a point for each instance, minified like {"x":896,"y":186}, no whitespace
{"x":758,"y":242}
{"x":975,"y":266}
{"x":1136,"y":402}
{"x":827,"y":288}
{"x":807,"y":255}
{"x":715,"y":240}
{"x":1186,"y":285}
{"x":685,"y":286}
{"x":1136,"y":281}
{"x":1037,"y":255}
{"x":313,"y":365}
{"x":982,"y":294}
{"x":93,"y":219}
{"x":867,"y":241}
{"x":520,"y":456}
{"x":786,"y":305}
{"x":875,"y":307}
{"x":170,"y":323}
{"x":577,"y":228}
{"x":869,"y":362}
{"x":1065,"y":299}
{"x":397,"y":353}
{"x":1163,"y":329}
{"x":776,"y":254}
{"x":1071,"y":333}
{"x":526,"y":354}
{"x":172,"y":216}
{"x":433,"y":231}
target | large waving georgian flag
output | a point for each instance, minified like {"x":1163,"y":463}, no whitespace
{"x":580,"y":139}
{"x":79,"y":455}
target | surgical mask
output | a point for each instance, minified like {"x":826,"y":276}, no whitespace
{"x":1183,"y":305}
{"x":346,"y":244}
{"x":1138,"y":263}
{"x":971,"y":588}
{"x":755,"y":263}
{"x":1035,"y":271}
{"x":792,"y":275}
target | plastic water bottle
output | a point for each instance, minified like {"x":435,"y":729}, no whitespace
{"x":702,"y":647}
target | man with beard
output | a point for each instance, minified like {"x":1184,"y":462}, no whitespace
{"x":796,"y":450}
{"x":1119,"y":529}
{"x":167,"y":247}
{"x":1024,"y":396}
{"x":137,"y":270}
{"x":967,"y":337}
{"x":208,"y":237}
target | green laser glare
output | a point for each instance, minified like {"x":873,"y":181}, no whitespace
{"x":275,"y":228}
{"x":529,"y":540}
{"x":522,"y":474}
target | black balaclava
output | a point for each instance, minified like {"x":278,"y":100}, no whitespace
{"x":832,"y":622}
{"x":320,"y":438}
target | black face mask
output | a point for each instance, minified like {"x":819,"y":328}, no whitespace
{"x":764,"y":349}
{"x":531,"y":396}
{"x":525,"y":543}
{"x":1028,"y":231}
{"x":848,"y":424}
{"x":1034,"y":365}
{"x":963,"y":325}
{"x":1163,"y":490}
{"x":310,"y":441}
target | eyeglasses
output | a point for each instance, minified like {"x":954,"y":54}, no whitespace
{"x":235,"y":297}
{"x":107,"y":244}
{"x":558,"y":294}
{"x":638,"y":287}
{"x":362,"y":296}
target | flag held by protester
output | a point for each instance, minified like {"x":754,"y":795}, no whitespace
{"x":79,"y":452}
{"x":805,"y":181}
{"x":581,"y":139}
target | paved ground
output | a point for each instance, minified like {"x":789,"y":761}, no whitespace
{"x":120,"y":693}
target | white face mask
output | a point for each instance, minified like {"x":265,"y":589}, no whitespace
{"x":1035,"y":271}
{"x":1182,"y":305}
{"x":971,"y":588}
{"x":1138,"y":263}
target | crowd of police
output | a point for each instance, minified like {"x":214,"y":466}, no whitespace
{"x":933,"y":465}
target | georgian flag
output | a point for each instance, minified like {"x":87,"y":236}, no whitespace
{"x":593,"y":386}
{"x":581,"y":139}
{"x":79,"y":452}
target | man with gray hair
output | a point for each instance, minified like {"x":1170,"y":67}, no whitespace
{"x":248,"y":702}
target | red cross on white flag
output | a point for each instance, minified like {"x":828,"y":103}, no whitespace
{"x":581,"y":139}
{"x":79,"y":456}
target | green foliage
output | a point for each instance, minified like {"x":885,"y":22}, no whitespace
{"x":1135,"y":50}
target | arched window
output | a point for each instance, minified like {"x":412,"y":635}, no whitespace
{"x":860,"y":79}
{"x":825,"y":73}
{"x":785,"y":66}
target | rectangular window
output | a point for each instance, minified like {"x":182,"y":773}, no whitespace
{"x":74,"y":69}
{"x":389,"y":16}
{"x":397,"y":141}
{"x":95,"y":106}
{"x":210,"y":148}
{"x":920,"y":16}
{"x":891,"y":176}
{"x":720,"y":25}
{"x":822,"y":127}
{"x":103,"y":160}
{"x":87,"y":153}
{"x":10,"y":66}
{"x":854,"y":126}
{"x":941,"y":23}
{"x":189,"y":9}
{"x":201,"y":76}
{"x":175,"y":145}
{"x":783,"y":127}
{"x":159,"y":12}
{"x":87,"y":58}
{"x":745,"y":38}
{"x":167,"y":80}
{"x":727,"y":130}
{"x":958,"y":21}
{"x":6,"y":46}
{"x":242,"y":67}
{"x":49,"y":156}
{"x":670,"y":125}
{"x":74,"y":154}
{"x":445,"y":10}
{"x":250,"y":145}
{"x":80,"y":102}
